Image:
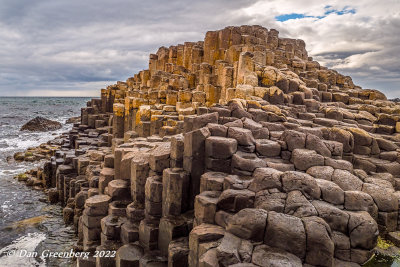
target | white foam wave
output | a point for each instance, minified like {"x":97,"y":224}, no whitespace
{"x":11,"y":172}
{"x":26,"y":140}
{"x":13,"y":254}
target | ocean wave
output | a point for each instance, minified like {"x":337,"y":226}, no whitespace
{"x":28,"y":139}
{"x":14,"y":171}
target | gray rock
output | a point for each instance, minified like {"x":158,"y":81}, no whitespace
{"x":320,"y":247}
{"x":346,"y":180}
{"x":128,"y":255}
{"x":266,"y":256}
{"x":265,"y":178}
{"x":235,"y":200}
{"x":321,"y":172}
{"x":220,"y":147}
{"x":247,"y":161}
{"x":304,"y":159}
{"x":248,"y":224}
{"x":270,"y":201}
{"x":40,"y":124}
{"x":243,"y":136}
{"x":337,"y":219}
{"x":331,"y":192}
{"x":360,"y":201}
{"x":217,"y":129}
{"x":303,"y":182}
{"x":297,"y":205}
{"x":339,"y":164}
{"x":384,"y":198}
{"x":313,"y":142}
{"x":363,"y":230}
{"x":286,"y":232}
{"x":268,"y":148}
{"x":294,"y":139}
{"x":227,"y":251}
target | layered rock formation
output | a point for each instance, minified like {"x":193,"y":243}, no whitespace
{"x":238,"y":150}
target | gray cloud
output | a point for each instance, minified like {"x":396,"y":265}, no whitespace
{"x":78,"y":47}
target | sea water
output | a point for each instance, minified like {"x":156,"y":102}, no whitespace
{"x":27,"y":224}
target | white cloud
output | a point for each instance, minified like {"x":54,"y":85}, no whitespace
{"x":363,"y":45}
{"x":76,"y":47}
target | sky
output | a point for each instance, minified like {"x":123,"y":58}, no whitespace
{"x":75,"y":47}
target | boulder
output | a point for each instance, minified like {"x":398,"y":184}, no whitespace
{"x":243,"y":136}
{"x":248,"y":224}
{"x":321,"y":172}
{"x":294,"y":139}
{"x":247,"y":161}
{"x":346,"y":180}
{"x":265,"y":178}
{"x":286,"y":232}
{"x":40,"y":124}
{"x":303,"y":182}
{"x":270,"y":200}
{"x":235,"y":200}
{"x":220,"y":147}
{"x":228,"y":250}
{"x":383,"y":197}
{"x":320,"y":247}
{"x":337,"y":219}
{"x":363,"y":230}
{"x":331,"y":192}
{"x":304,"y":159}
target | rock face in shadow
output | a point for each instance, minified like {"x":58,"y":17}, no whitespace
{"x":40,"y":124}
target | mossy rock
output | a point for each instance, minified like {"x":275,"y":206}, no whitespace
{"x":19,"y":156}
{"x":30,"y":158}
{"x":22,"y":177}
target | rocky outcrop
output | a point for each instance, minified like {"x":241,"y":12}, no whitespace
{"x":40,"y":124}
{"x":238,"y":150}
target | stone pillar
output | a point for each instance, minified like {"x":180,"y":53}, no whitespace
{"x":245,"y":67}
{"x":193,"y":159}
{"x":118,"y":120}
{"x":103,"y":100}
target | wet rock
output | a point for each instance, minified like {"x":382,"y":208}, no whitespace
{"x":40,"y":124}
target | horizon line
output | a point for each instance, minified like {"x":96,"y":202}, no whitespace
{"x":51,"y":96}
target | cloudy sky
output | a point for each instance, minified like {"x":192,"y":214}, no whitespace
{"x":75,"y":47}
